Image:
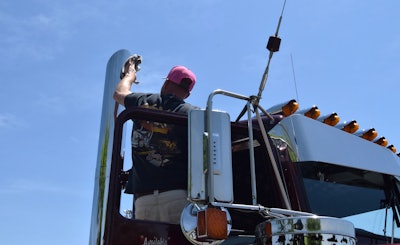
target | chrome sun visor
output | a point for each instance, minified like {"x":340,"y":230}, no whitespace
{"x":309,"y":140}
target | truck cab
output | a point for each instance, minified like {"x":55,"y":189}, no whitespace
{"x":279,"y":176}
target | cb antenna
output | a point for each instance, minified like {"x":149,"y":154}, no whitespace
{"x":273,"y":45}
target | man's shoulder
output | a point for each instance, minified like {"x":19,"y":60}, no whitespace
{"x":186,"y":107}
{"x":138,"y":99}
{"x":141,"y":94}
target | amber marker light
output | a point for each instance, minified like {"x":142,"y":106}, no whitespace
{"x":312,"y":112}
{"x":381,"y":141}
{"x":370,"y":134}
{"x":331,"y":119}
{"x":290,"y":108}
{"x":392,"y":148}
{"x":351,"y":127}
{"x":268,"y":229}
{"x":212,"y":223}
{"x":286,"y":108}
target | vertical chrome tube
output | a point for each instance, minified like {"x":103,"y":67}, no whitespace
{"x":251,"y":153}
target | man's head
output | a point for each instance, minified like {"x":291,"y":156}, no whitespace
{"x":179,"y":81}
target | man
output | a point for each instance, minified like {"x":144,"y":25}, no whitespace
{"x":158,"y":177}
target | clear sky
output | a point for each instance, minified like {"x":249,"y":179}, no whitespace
{"x":345,"y":56}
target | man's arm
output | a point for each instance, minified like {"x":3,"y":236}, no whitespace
{"x":124,"y":86}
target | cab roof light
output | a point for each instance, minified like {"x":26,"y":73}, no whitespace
{"x":312,"y":112}
{"x":381,"y":141}
{"x":286,"y":108}
{"x":331,"y":119}
{"x":392,"y":148}
{"x":290,"y":108}
{"x":349,"y":127}
{"x":369,"y":134}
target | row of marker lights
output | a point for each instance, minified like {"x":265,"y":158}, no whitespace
{"x":333,"y":119}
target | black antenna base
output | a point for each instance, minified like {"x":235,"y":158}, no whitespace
{"x":274,"y":43}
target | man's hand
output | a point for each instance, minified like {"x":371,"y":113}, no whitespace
{"x":131,"y":66}
{"x":128,"y":76}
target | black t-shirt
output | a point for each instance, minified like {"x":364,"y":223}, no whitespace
{"x":159,"y":150}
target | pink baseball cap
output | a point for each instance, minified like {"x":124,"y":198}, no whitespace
{"x":177,"y":73}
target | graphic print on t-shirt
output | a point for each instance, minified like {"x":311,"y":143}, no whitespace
{"x":155,"y":142}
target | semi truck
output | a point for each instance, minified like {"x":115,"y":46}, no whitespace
{"x":282,"y":175}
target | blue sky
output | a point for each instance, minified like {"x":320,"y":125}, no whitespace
{"x":345,"y":56}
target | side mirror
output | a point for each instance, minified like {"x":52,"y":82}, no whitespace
{"x":210,"y":157}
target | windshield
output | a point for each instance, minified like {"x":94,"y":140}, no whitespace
{"x":363,"y":197}
{"x":379,"y":222}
